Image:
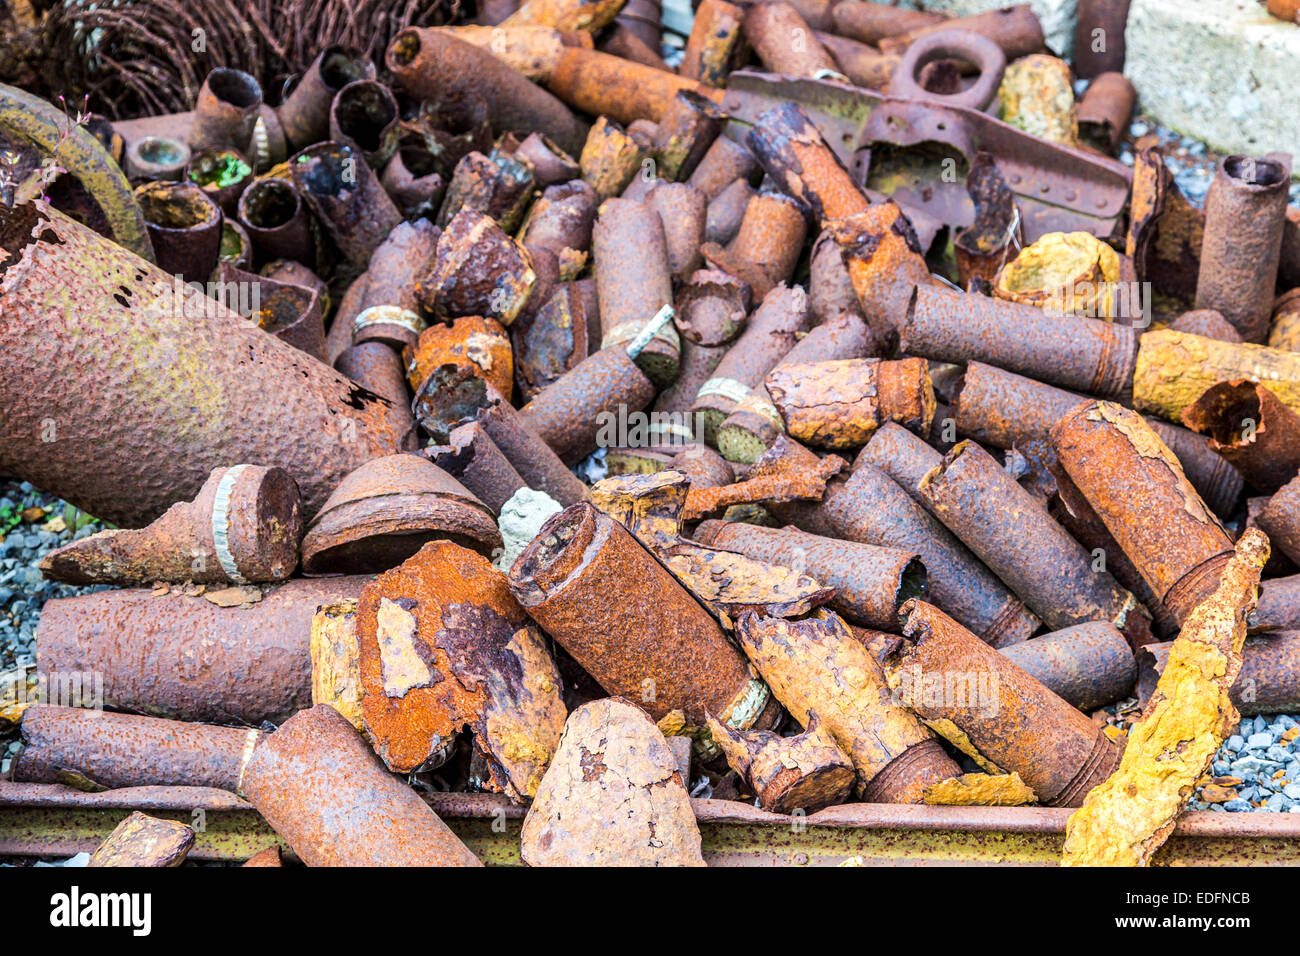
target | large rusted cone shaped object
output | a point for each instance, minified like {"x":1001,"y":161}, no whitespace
{"x":444,"y":647}
{"x":386,"y":510}
{"x":613,"y":796}
{"x":243,"y":527}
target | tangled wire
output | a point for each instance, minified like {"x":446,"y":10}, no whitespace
{"x":146,"y":57}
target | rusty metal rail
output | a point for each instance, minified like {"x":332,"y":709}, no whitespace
{"x":55,"y":821}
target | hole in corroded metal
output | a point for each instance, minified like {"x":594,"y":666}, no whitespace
{"x":234,"y":87}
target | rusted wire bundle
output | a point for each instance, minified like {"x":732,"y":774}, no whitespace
{"x":139,"y":58}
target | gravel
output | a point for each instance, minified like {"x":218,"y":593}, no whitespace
{"x":1257,"y":769}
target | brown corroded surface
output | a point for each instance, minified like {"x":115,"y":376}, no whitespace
{"x":1249,"y":426}
{"x":142,"y":840}
{"x":1174,"y":369}
{"x":841,"y":403}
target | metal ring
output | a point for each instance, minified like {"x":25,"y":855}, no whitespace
{"x":963,"y":45}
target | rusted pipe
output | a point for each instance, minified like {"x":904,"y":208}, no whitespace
{"x":540,"y":467}
{"x":715,"y":43}
{"x":225,"y":110}
{"x":346,"y":197}
{"x":767,"y":246}
{"x":1247,"y":425}
{"x":872,"y":22}
{"x":1087,"y":665}
{"x":364,"y":117}
{"x":472,"y":458}
{"x":184,"y":225}
{"x":1268,"y":682}
{"x":605,"y":85}
{"x":784,"y":42}
{"x":304,"y":114}
{"x":1015,"y":29}
{"x":277,"y":220}
{"x":1105,"y":111}
{"x":1280,"y":519}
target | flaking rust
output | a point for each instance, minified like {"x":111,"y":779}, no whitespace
{"x":804,"y":773}
{"x":785,"y":472}
{"x":336,"y":660}
{"x":612,"y":797}
{"x":980,"y":790}
{"x":1129,"y":816}
{"x":473,"y":342}
{"x":142,"y":840}
{"x":816,"y":664}
{"x":444,"y":647}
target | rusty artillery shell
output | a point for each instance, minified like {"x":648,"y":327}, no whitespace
{"x":984,"y":506}
{"x":1279,"y":604}
{"x":1105,"y":111}
{"x":305,"y":112}
{"x":683,"y":209}
{"x":222,"y":173}
{"x":445,"y":648}
{"x":429,"y":64}
{"x":184,"y":225}
{"x":346,"y":197}
{"x":561,"y":220}
{"x":600,"y":84}
{"x":496,"y":184}
{"x":412,"y":181}
{"x":766,"y":248}
{"x":364,"y":117}
{"x":382,"y":513}
{"x":536,"y":463}
{"x":187,"y":657}
{"x":226,"y":110}
{"x":244,"y":525}
{"x":1280,"y":519}
{"x":1268,"y":682}
{"x":872,"y":22}
{"x":724,"y":163}
{"x":685,"y":134}
{"x":769,"y":334}
{"x":479,"y":345}
{"x":573,"y":412}
{"x":755,"y":423}
{"x":1135,"y":484}
{"x":1087,"y":665}
{"x":388,"y":310}
{"x":871,"y":583}
{"x":335,"y":660}
{"x":156,"y":157}
{"x":840,"y":403}
{"x":715,"y":44}
{"x":532,"y":49}
{"x":479,"y":270}
{"x":872,"y":509}
{"x":610,"y":158}
{"x":289,"y":311}
{"x":277,"y":220}
{"x":710,"y":313}
{"x":1208,"y":323}
{"x":884,"y":261}
{"x":472,"y":458}
{"x":1099,"y":38}
{"x":1244,"y":214}
{"x":1004,"y":718}
{"x":549,"y":341}
{"x":1066,"y":350}
{"x":633,"y":282}
{"x":784,"y":42}
{"x":817,"y":665}
{"x":322,"y":789}
{"x":792,"y":151}
{"x":583,"y":570}
{"x":864,"y":65}
{"x":1248,"y":426}
{"x":1174,"y":369}
{"x":318,"y":427}
{"x":591,"y":16}
{"x":703,"y":467}
{"x":803,"y":773}
{"x":1016,"y":29}
{"x":74,"y":746}
{"x":378,"y":369}
{"x":901,"y":455}
{"x":727,"y":211}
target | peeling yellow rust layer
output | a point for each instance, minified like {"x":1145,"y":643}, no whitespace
{"x":980,"y":790}
{"x":1175,"y":368}
{"x":589,"y":15}
{"x":950,"y":732}
{"x":142,"y":840}
{"x":1037,"y":96}
{"x":1063,"y":273}
{"x":335,"y":661}
{"x":649,"y":506}
{"x":1126,"y":819}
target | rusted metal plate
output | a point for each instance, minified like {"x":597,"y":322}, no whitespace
{"x":54,"y":821}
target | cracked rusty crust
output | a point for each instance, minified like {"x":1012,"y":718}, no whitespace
{"x":1124,"y":820}
{"x":445,"y":647}
{"x":335,"y":660}
{"x":1175,"y":368}
{"x":840,"y":403}
{"x":816,"y":664}
{"x":613,"y":796}
{"x":142,"y":840}
{"x":980,"y":790}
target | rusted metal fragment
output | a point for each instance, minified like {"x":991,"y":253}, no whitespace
{"x":444,"y":647}
{"x":1089,"y":665}
{"x":726,"y":211}
{"x":479,"y":271}
{"x":184,"y":657}
{"x":841,"y":403}
{"x":1138,"y":488}
{"x":613,"y":796}
{"x":991,"y":709}
{"x":184,"y":225}
{"x":1245,"y":210}
{"x":412,"y":182}
{"x":816,"y":665}
{"x":710,"y":312}
{"x":496,"y":184}
{"x":430,"y":65}
{"x":1099,"y":38}
{"x":291,"y":311}
{"x":1014,"y":535}
{"x":1250,"y":427}
{"x":884,"y":259}
{"x":561,"y":219}
{"x":732,"y":584}
{"x":364,"y":117}
{"x":767,"y":245}
{"x":336,"y":662}
{"x":472,"y":342}
{"x":1211,"y":324}
{"x":600,"y":84}
{"x":142,"y":840}
{"x":225,"y":110}
{"x":531,"y":457}
{"x":610,"y":158}
{"x":346,"y":197}
{"x":980,"y":790}
{"x":1126,"y":819}
{"x":1285,"y":330}
{"x":591,"y":16}
{"x":784,"y":42}
{"x":715,"y":44}
{"x":1037,"y":96}
{"x":304,"y":113}
{"x":388,"y":309}
{"x":386,"y":510}
{"x":1280,"y":519}
{"x":95,"y":750}
{"x":531,"y":48}
{"x":793,"y":152}
{"x":318,"y":783}
{"x":1105,"y":111}
{"x":785,"y":472}
{"x":276,"y":218}
{"x":870,"y":583}
{"x":473,"y":459}
{"x":800,"y":774}
{"x":1165,"y":231}
{"x":1269,"y":681}
{"x":377,"y":368}
{"x":724,"y":163}
{"x":1062,"y":274}
{"x":1015,"y":29}
{"x":268,"y":857}
{"x":872,"y":22}
{"x":1070,"y":351}
{"x":984,"y":247}
{"x":864,"y":65}
{"x":583,"y":570}
{"x":683,"y":211}
{"x":244,"y":525}
{"x":685,"y":134}
{"x":551,"y":340}
{"x":649,"y":506}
